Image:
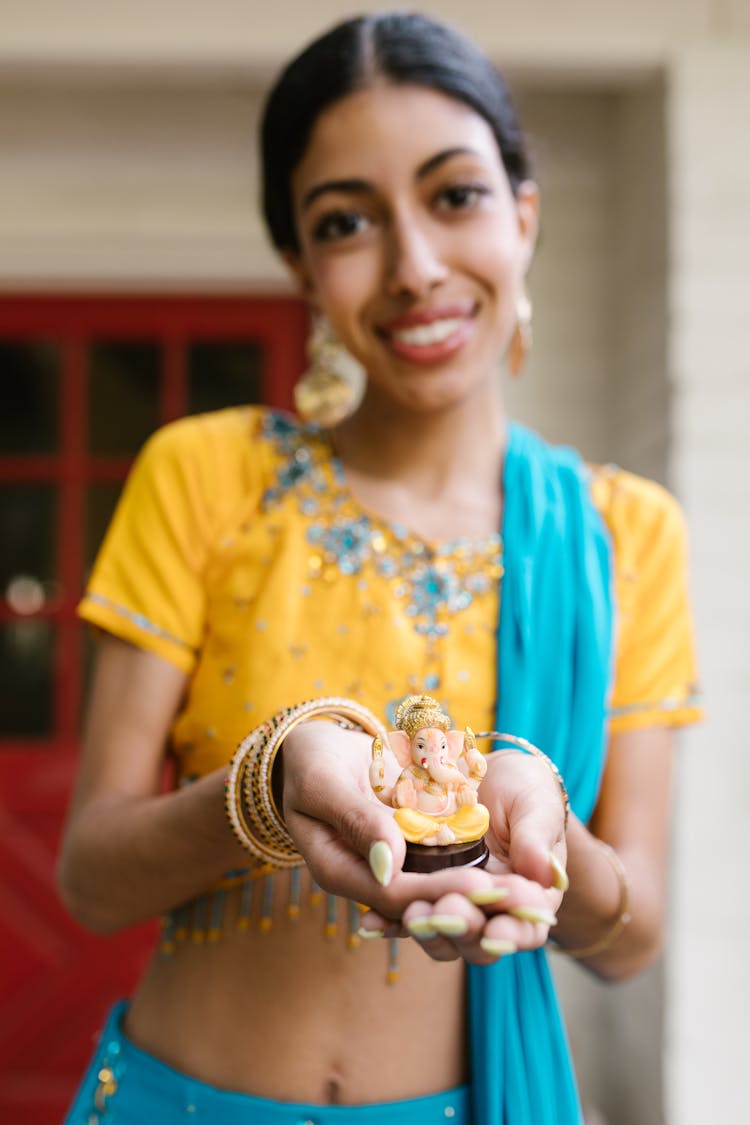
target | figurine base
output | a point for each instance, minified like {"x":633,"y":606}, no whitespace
{"x":421,"y":858}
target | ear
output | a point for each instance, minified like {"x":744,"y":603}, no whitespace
{"x":400,"y":744}
{"x":527,"y":206}
{"x":455,"y":743}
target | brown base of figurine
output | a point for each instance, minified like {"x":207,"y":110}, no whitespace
{"x":422,"y":859}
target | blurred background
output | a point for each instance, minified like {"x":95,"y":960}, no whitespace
{"x":136,"y":285}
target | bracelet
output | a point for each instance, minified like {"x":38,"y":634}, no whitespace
{"x":253,"y":815}
{"x":623,"y":910}
{"x":530,"y":748}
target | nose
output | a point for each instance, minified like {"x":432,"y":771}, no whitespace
{"x":414,"y":264}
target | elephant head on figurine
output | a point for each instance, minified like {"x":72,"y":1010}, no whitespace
{"x":424,"y":738}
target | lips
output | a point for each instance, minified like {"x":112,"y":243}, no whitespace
{"x":424,"y":334}
{"x":414,"y":317}
{"x":429,"y":335}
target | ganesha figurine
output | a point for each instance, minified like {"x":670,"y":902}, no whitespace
{"x":435,"y":794}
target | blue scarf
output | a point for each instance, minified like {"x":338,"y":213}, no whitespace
{"x":554,"y":671}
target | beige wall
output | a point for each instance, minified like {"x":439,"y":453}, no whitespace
{"x":127,"y":161}
{"x":709,"y":973}
{"x":594,"y":32}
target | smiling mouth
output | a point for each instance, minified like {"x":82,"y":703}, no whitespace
{"x":423,"y":335}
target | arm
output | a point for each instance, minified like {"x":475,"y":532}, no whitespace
{"x":632,"y":816}
{"x":130,"y":851}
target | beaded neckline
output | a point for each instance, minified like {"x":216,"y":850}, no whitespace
{"x":436,"y":582}
{"x":312,"y":451}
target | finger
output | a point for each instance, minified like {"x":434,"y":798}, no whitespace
{"x":334,"y":865}
{"x":374,"y":925}
{"x":364,"y":825}
{"x":536,"y":833}
{"x":505,"y":930}
{"x":420,"y":923}
{"x":471,"y":941}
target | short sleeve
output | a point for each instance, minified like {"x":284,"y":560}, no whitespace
{"x":655,"y":682}
{"x":147,"y":585}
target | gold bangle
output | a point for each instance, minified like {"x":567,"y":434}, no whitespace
{"x":530,"y":748}
{"x":623,"y":911}
{"x":254,"y":818}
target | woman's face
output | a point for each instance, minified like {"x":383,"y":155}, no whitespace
{"x":411,"y":240}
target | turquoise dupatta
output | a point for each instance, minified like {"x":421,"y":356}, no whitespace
{"x":554,"y":671}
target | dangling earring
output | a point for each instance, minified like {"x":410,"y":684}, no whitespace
{"x":334,"y":382}
{"x":522,"y":338}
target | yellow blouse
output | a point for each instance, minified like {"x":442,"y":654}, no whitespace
{"x":238,"y":553}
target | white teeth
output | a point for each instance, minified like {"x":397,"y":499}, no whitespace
{"x":422,"y":335}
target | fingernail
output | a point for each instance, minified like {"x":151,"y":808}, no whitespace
{"x":381,"y":862}
{"x":496,"y":947}
{"x":422,"y":928}
{"x":534,"y":914}
{"x":363,"y":933}
{"x":451,"y":925}
{"x":488,"y":896}
{"x":561,"y":880}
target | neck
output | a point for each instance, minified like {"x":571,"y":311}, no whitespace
{"x":427,"y":452}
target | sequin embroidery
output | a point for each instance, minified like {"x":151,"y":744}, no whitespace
{"x":434,"y":582}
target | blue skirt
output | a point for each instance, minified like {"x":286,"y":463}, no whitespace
{"x":127,"y":1086}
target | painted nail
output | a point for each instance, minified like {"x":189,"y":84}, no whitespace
{"x":488,"y":896}
{"x":363,"y":933}
{"x":422,"y":928}
{"x":381,"y":862}
{"x":496,"y":947}
{"x":561,"y":880}
{"x":534,"y":914}
{"x":451,"y":925}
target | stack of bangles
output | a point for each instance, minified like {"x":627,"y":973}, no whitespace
{"x":253,"y":813}
{"x":258,"y":824}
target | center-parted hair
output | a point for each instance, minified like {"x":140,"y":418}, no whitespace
{"x":403,"y":48}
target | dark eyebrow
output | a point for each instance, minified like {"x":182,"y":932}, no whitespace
{"x":359,"y":187}
{"x":349,"y":186}
{"x":440,"y":158}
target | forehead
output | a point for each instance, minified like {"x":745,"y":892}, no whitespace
{"x":386,"y":130}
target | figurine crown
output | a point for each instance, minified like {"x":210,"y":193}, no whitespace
{"x":418,"y":712}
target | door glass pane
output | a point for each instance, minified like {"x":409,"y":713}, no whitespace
{"x":223,"y":373}
{"x":26,"y":664}
{"x":124,"y":378}
{"x":100,"y":504}
{"x":28,"y":518}
{"x":29,"y":392}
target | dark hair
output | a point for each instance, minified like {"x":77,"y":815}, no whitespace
{"x":398,"y":47}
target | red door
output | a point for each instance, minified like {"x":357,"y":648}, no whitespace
{"x":83,"y":382}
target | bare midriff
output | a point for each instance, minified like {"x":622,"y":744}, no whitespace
{"x":291,"y":1016}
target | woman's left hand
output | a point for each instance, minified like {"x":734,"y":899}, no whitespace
{"x":527,"y":845}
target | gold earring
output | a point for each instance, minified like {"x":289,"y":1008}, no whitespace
{"x":522,"y":338}
{"x":332,"y":386}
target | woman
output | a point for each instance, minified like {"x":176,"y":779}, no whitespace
{"x":256,"y":562}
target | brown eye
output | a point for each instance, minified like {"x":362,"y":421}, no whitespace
{"x":339,"y":224}
{"x":461,"y":197}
